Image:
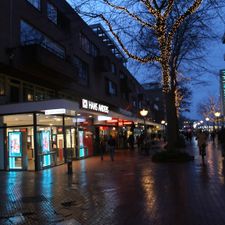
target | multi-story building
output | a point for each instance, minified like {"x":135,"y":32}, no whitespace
{"x":58,"y":78}
{"x":154,"y":99}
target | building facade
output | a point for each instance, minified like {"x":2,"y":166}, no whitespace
{"x":64,"y":86}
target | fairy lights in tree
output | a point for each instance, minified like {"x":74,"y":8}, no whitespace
{"x":161,"y":13}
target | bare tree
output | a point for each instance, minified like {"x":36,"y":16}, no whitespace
{"x":128,"y":20}
{"x":208,"y":107}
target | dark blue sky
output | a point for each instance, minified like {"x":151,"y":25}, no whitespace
{"x":215,"y":57}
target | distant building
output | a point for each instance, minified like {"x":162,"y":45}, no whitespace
{"x":154,"y":100}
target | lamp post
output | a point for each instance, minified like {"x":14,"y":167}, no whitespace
{"x":144,"y":113}
{"x":163,"y":122}
{"x":217,"y":115}
{"x":207,"y":121}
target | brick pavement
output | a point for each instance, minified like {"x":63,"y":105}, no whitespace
{"x":129,"y":191}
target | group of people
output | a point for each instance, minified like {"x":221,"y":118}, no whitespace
{"x":202,"y":137}
{"x":109,"y":143}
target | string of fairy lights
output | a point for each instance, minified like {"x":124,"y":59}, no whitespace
{"x":165,"y":37}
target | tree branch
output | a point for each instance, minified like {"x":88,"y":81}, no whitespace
{"x":140,"y":59}
{"x":134,"y":16}
{"x":169,"y":8}
{"x":179,"y":21}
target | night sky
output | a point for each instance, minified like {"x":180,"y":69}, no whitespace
{"x":215,"y":62}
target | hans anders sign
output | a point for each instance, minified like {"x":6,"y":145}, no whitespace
{"x":94,"y":106}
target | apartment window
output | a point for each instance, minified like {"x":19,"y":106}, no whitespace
{"x":28,"y":93}
{"x":111,"y":88}
{"x":35,"y":3}
{"x":39,"y":94}
{"x":52,"y":13}
{"x":83,"y":71}
{"x":2,"y":85}
{"x":30,"y":35}
{"x":113,"y":68}
{"x":88,"y":46}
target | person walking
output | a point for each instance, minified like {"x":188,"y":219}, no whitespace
{"x":102,"y":148}
{"x":202,"y":141}
{"x":131,"y":142}
{"x":112,"y":145}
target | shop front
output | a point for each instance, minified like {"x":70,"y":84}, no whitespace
{"x":42,"y":135}
{"x":39,"y":135}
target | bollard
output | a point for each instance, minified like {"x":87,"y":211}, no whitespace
{"x":70,"y":167}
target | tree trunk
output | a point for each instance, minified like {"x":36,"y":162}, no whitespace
{"x":171,"y":118}
{"x":169,"y":105}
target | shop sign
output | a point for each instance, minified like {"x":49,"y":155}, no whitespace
{"x":55,"y":111}
{"x":112,"y":121}
{"x":103,"y":118}
{"x":94,"y":106}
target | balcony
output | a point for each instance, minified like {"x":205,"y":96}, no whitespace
{"x":46,"y":65}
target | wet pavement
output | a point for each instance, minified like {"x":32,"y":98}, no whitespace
{"x":131,"y":190}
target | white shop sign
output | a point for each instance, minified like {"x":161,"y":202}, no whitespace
{"x":94,"y":106}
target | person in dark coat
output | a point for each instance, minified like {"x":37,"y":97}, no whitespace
{"x":112,"y":145}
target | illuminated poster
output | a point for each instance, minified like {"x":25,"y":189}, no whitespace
{"x":15,"y":144}
{"x":45,"y":141}
{"x":81,"y":143}
{"x":45,"y":144}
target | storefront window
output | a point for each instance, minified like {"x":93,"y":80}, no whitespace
{"x":20,"y":148}
{"x":18,"y":119}
{"x":49,"y":120}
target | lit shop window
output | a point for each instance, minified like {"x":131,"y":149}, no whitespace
{"x":35,"y":3}
{"x":30,"y":35}
{"x":52,"y":13}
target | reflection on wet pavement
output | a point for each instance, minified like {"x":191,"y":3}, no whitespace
{"x":130,"y":191}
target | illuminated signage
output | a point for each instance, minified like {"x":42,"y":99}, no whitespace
{"x":103,"y":118}
{"x":15,"y":144}
{"x":112,"y":121}
{"x":94,"y":106}
{"x":55,"y":111}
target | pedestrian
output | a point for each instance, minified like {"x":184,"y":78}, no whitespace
{"x":102,"y":148}
{"x":112,"y":145}
{"x":202,"y":140}
{"x":213,"y":135}
{"x":131,"y":142}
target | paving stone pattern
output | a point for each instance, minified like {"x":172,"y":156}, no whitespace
{"x":132,"y":190}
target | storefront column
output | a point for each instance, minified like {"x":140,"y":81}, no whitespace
{"x":36,"y":159}
{"x":64,"y":140}
{"x":2,"y":147}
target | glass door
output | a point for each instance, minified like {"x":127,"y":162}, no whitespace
{"x":15,"y":150}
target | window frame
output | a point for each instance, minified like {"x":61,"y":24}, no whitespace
{"x":43,"y":40}
{"x":30,"y":2}
{"x":113,"y":85}
{"x":53,"y":20}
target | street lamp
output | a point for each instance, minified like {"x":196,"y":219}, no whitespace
{"x":163,"y":122}
{"x":144,"y":113}
{"x":207,"y":120}
{"x":217,"y":115}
